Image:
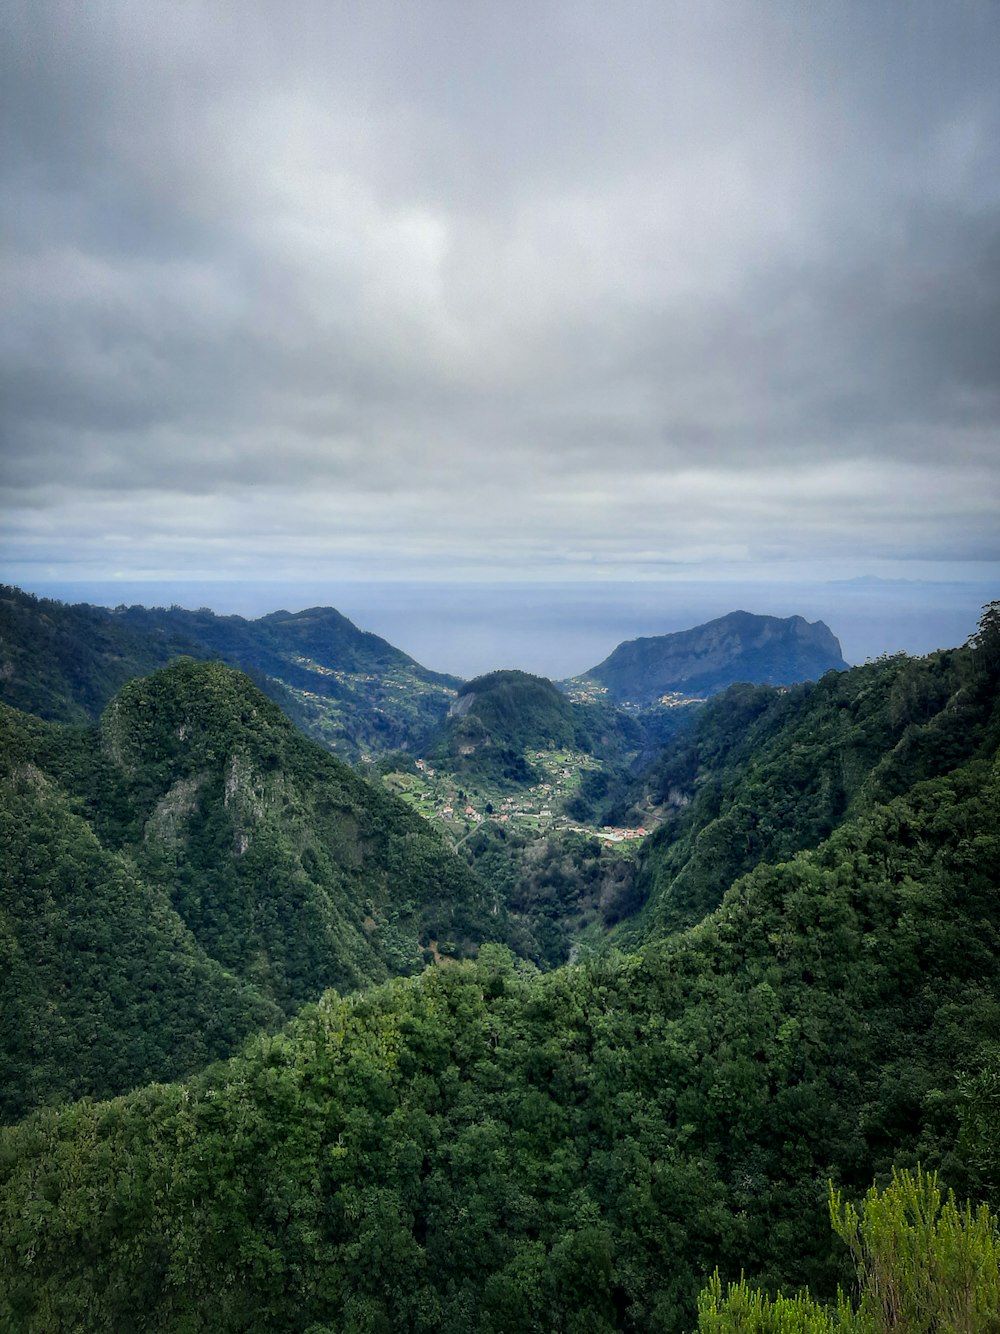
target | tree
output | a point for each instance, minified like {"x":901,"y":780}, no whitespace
{"x":986,"y":639}
{"x":924,"y":1266}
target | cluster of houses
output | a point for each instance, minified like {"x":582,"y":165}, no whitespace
{"x":581,"y":690}
{"x":511,"y":808}
{"x":610,"y":834}
{"x":613,"y":834}
{"x":345,"y":678}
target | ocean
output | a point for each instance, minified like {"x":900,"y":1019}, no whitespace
{"x":562,"y":629}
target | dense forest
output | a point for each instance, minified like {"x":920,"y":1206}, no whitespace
{"x":346,"y":688}
{"x":766,"y":773}
{"x":496,"y":719}
{"x":802,"y":997}
{"x":189,"y":871}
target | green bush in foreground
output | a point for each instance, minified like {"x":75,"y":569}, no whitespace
{"x":923,"y":1266}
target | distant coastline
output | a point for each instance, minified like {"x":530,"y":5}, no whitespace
{"x":558,"y":629}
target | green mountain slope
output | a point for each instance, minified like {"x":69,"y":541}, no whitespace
{"x":66,"y":662}
{"x":348,"y":689}
{"x":102,"y":987}
{"x":737,"y":647}
{"x":514,"y":776}
{"x":283,"y":842}
{"x":497,"y":718}
{"x":766,"y":773}
{"x":487,"y":1149}
{"x":205,"y":870}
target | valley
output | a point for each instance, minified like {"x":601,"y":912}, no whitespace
{"x":537,"y":1023}
{"x":539,"y":808}
{"x":500,"y":668}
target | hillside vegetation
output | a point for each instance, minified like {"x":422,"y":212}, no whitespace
{"x":488,"y":1148}
{"x":766,"y":773}
{"x":497,"y":718}
{"x":348,"y":689}
{"x":192,"y":870}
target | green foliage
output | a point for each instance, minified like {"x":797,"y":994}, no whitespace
{"x":349,"y":690}
{"x":499,"y":717}
{"x":554,"y":887}
{"x":980,"y":1113}
{"x":745,"y":1310}
{"x":495,"y":719}
{"x":483,"y":1147}
{"x":765,"y":774}
{"x":192,"y":872}
{"x":986,"y":641}
{"x":65,"y":663}
{"x":101,"y":985}
{"x":923,"y":1265}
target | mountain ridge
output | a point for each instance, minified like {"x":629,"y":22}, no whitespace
{"x":195,"y":866}
{"x":488,"y":1148}
{"x":741,"y":646}
{"x":347,"y":688}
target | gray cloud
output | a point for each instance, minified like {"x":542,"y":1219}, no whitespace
{"x":447,"y":285}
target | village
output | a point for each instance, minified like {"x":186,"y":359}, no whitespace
{"x":457,"y":811}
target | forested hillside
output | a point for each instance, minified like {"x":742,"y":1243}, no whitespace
{"x":348,"y":689}
{"x":497,"y":718}
{"x":102,"y":986}
{"x":192,"y":870}
{"x":518,"y":775}
{"x":766,"y":773}
{"x":489,"y":1148}
{"x":66,"y":662}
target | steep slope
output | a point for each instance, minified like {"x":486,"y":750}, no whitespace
{"x":348,"y":689}
{"x":192,"y":870}
{"x":66,"y":662}
{"x":766,"y":773}
{"x":494,"y":720}
{"x":497,"y":718}
{"x":483,"y":1149}
{"x":737,"y":647}
{"x":102,"y":987}
{"x":285,"y":862}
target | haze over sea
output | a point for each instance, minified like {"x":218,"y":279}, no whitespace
{"x":561,"y":629}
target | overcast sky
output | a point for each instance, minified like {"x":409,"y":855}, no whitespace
{"x":544,"y":290}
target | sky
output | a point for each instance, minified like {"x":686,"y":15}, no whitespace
{"x":465,"y":292}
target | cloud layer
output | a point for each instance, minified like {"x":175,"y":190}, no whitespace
{"x":564,"y":288}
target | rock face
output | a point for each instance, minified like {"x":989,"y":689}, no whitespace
{"x":737,"y":647}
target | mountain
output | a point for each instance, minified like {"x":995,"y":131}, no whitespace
{"x":496,"y":720}
{"x":765,"y":773}
{"x":511,"y":777}
{"x":66,"y":662}
{"x":192,"y":869}
{"x":497,"y":717}
{"x":348,"y":689}
{"x":102,"y":985}
{"x":487,"y":1148}
{"x":699,"y":662}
